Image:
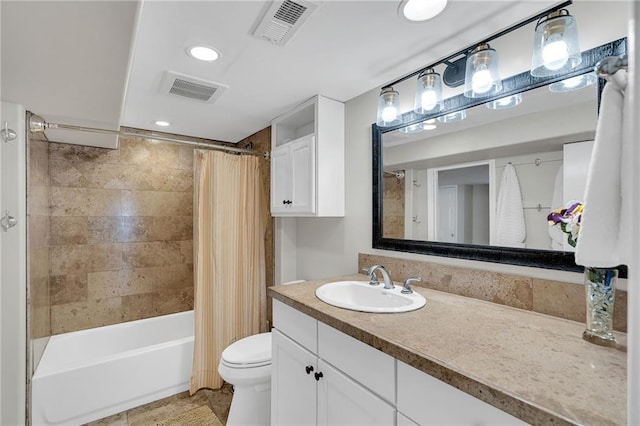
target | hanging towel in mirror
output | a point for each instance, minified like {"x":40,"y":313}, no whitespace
{"x":556,"y":234}
{"x":602,"y":241}
{"x":510,"y":226}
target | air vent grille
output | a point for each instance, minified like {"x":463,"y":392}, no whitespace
{"x":192,"y":90}
{"x":290,"y":12}
{"x":282,"y":20}
{"x":191,"y":87}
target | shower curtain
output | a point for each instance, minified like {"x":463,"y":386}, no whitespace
{"x":229,"y":262}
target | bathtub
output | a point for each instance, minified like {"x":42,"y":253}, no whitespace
{"x":90,"y":374}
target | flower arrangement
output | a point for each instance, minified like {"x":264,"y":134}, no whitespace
{"x":568,"y":218}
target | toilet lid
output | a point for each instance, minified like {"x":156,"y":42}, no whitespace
{"x":254,"y":349}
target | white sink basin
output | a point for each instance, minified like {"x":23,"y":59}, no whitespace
{"x":360,"y":296}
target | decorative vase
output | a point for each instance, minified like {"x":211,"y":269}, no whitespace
{"x":600,"y":287}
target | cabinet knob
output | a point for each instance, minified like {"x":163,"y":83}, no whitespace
{"x":309,"y":369}
{"x":318,"y":376}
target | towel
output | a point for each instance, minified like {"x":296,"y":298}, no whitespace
{"x":602,"y":241}
{"x":556,"y":234}
{"x":510,"y":227}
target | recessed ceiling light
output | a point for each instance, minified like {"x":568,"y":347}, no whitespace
{"x":203,"y":53}
{"x":162,"y":123}
{"x":421,"y":10}
{"x":429,"y":126}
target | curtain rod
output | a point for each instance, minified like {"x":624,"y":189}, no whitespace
{"x":37,"y":124}
{"x":466,"y":50}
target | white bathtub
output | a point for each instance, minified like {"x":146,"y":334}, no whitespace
{"x":90,"y":374}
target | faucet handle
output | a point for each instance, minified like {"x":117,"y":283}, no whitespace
{"x":373,"y":279}
{"x":406,"y":288}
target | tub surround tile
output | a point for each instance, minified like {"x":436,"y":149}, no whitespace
{"x":68,"y":230}
{"x":172,"y":301}
{"x":39,"y":172}
{"x":82,"y":315}
{"x":143,"y":255}
{"x":139,"y":306}
{"x":86,"y":258}
{"x":38,"y":148}
{"x":172,"y":228}
{"x":122,"y":282}
{"x":156,"y":203}
{"x":38,"y":201}
{"x":85,"y":202}
{"x":81,"y":153}
{"x":68,"y":288}
{"x":186,"y":249}
{"x":533,"y":366}
{"x":185,"y":158}
{"x":560,"y":299}
{"x":171,"y":277}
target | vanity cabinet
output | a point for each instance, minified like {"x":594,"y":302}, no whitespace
{"x":307,"y":160}
{"x":307,"y":389}
{"x":425,"y":400}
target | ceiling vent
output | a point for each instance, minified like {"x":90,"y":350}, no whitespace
{"x":191,"y":87}
{"x":282,"y":19}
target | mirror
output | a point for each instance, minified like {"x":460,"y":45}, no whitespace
{"x":443,"y":191}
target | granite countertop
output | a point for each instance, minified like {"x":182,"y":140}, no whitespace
{"x":533,"y":366}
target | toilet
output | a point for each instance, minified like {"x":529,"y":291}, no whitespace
{"x":246,"y":364}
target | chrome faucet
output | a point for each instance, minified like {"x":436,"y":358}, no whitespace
{"x":388,"y":284}
{"x":406,"y":288}
{"x":373,"y":279}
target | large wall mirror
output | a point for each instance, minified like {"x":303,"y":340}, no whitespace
{"x":437,"y":191}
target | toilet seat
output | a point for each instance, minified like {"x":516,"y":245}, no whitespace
{"x":249,"y":352}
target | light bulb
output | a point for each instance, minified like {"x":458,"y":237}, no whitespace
{"x":555,"y":53}
{"x":429,"y":100}
{"x":389,"y":113}
{"x":481,"y":81}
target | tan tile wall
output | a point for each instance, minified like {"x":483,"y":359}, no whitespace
{"x":393,"y":211}
{"x":38,"y":237}
{"x":560,"y":299}
{"x":120,"y":232}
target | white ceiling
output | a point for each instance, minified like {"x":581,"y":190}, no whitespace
{"x":73,"y":62}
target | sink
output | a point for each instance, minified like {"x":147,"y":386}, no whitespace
{"x":360,"y":296}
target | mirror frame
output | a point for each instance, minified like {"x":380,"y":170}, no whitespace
{"x":547,"y":259}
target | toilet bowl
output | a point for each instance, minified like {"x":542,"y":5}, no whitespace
{"x":246,"y":364}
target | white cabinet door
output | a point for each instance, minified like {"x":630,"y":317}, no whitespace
{"x":293,"y":174}
{"x":293,"y":384}
{"x":280,"y":178}
{"x":341,"y":401}
{"x":303,"y":172}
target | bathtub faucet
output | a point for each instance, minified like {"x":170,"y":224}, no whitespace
{"x":388,"y":284}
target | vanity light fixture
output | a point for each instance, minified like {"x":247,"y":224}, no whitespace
{"x":555,"y":45}
{"x":429,"y":126}
{"x":421,"y":10}
{"x":162,"y":123}
{"x":389,"y":108}
{"x":203,"y":53}
{"x":506,"y":102}
{"x":574,"y":83}
{"x":481,"y":76}
{"x":428,"y":92}
{"x":453,"y":117}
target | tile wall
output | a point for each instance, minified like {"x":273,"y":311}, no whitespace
{"x":38,"y":237}
{"x":393,"y":211}
{"x":556,"y":298}
{"x":120,"y":231}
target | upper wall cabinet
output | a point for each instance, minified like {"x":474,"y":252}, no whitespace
{"x":307,"y":160}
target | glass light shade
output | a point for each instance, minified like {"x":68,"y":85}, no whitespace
{"x":428,"y":92}
{"x":414,"y":128}
{"x":453,"y":117}
{"x":389,"y":108}
{"x":555,"y":45}
{"x":506,"y":102}
{"x":574,"y":83}
{"x":482,"y":77}
{"x":421,"y":10}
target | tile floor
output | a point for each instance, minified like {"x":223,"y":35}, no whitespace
{"x":147,"y":415}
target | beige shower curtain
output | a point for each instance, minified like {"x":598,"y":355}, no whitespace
{"x":229,"y":265}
